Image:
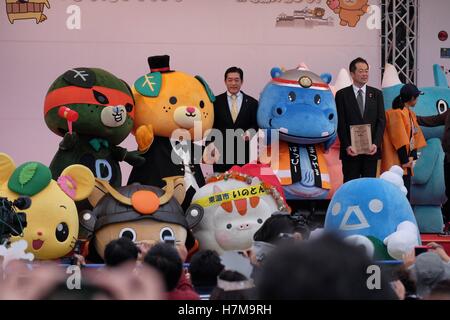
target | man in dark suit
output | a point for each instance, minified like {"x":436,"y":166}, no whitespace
{"x":360,"y":104}
{"x":235,"y":111}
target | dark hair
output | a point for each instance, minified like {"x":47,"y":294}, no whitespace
{"x":398,"y":103}
{"x":119,"y":251}
{"x":326,"y":268}
{"x":281,"y":223}
{"x":404,"y":275}
{"x":352,"y":66}
{"x":235,"y":69}
{"x":231,"y":276}
{"x":164,"y":258}
{"x":204,"y":268}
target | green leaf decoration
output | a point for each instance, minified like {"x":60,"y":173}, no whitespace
{"x":27,"y":173}
{"x":149,"y":85}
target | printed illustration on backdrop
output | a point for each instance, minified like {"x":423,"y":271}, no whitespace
{"x":26,"y":9}
{"x":349,"y":11}
{"x":305,"y":18}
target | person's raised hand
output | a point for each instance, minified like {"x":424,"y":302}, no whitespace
{"x":126,"y":282}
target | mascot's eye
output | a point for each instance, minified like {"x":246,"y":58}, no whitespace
{"x":292,"y":96}
{"x":229,"y":226}
{"x":128,"y":233}
{"x":317,"y":99}
{"x":100,"y":97}
{"x":166,"y":232}
{"x":260,"y":221}
{"x":62,"y":232}
{"x":441,"y":106}
{"x":129,"y":107}
{"x":173,"y":100}
{"x":202,"y":104}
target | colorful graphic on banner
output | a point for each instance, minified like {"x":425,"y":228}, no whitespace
{"x":309,"y":17}
{"x":349,"y":11}
{"x":26,"y":9}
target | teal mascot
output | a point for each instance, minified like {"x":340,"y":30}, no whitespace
{"x":427,"y":185}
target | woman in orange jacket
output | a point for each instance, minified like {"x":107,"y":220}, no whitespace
{"x":402,"y":136}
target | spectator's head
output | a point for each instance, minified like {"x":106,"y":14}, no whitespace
{"x":232,"y":285}
{"x":278,"y":225}
{"x":409,"y":94}
{"x":404,"y":275}
{"x":325,"y":268}
{"x":204,"y":268}
{"x":234,"y":77}
{"x":278,"y":228}
{"x":359,"y":70}
{"x":119,"y":251}
{"x":429,"y":269}
{"x":441,"y":291}
{"x":165,"y":258}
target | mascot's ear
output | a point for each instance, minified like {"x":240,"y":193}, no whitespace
{"x":77,"y":182}
{"x":211,"y":95}
{"x":194,"y":215}
{"x":7,"y":167}
{"x":129,"y":91}
{"x":276,"y":72}
{"x":326,"y":77}
{"x":440,"y":79}
{"x":149,"y":85}
{"x":80,"y":77}
{"x":87,"y":221}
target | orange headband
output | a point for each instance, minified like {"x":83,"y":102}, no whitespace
{"x":71,"y":95}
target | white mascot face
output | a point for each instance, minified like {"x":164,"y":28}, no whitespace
{"x":230,"y":225}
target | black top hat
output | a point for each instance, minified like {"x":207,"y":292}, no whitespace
{"x":159,"y":63}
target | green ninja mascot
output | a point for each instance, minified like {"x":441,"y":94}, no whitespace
{"x":93,"y":110}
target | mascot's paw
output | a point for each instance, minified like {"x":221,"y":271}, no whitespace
{"x":333,"y":5}
{"x":403,"y":240}
{"x":134,"y":158}
{"x":144,"y":137}
{"x":69,"y":141}
{"x":364,"y":242}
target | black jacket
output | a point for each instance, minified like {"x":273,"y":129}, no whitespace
{"x":158,"y":165}
{"x":349,"y":114}
{"x":246,"y":120}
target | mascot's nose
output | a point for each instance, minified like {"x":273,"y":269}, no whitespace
{"x":39,"y":233}
{"x":244,"y":226}
{"x":190,"y":109}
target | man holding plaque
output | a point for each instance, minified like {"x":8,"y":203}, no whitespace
{"x":361,"y":122}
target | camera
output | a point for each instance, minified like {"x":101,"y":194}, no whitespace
{"x":421,"y":249}
{"x":12,"y":222}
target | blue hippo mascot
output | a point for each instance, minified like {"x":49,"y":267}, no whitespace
{"x":375,"y":212}
{"x":427,"y":185}
{"x":299,"y":107}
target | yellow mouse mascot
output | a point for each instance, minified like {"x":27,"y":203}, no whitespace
{"x":52,"y":218}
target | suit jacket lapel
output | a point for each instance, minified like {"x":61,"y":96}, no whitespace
{"x":368,"y":101}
